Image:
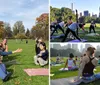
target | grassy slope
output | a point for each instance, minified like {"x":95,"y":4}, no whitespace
{"x":26,"y":61}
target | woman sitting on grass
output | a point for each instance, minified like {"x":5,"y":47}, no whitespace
{"x":42,"y":58}
{"x":71,"y":63}
{"x":4,"y":74}
{"x":88,"y":64}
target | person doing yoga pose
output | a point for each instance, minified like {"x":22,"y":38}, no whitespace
{"x":71,"y":63}
{"x":88,"y":64}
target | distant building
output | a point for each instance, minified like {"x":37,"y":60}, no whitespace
{"x":94,"y":16}
{"x":80,"y":14}
{"x":75,"y":47}
{"x":69,"y":46}
{"x":72,"y":6}
{"x":86,"y":13}
{"x":87,"y":45}
{"x":99,"y":11}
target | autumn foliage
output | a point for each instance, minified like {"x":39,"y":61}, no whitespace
{"x":41,"y":29}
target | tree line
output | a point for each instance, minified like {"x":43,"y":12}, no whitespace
{"x":18,"y":31}
{"x":66,"y":52}
{"x":62,"y":14}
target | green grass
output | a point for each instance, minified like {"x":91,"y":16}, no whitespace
{"x":59,"y":74}
{"x":25,"y":59}
{"x":83,"y":35}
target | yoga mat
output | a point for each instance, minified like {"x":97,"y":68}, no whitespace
{"x":83,"y":40}
{"x":63,"y":69}
{"x":52,"y":74}
{"x":69,"y":81}
{"x":58,"y":36}
{"x":56,"y":64}
{"x":37,"y":72}
{"x":92,"y":34}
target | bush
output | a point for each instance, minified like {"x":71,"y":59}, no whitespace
{"x":21,"y":36}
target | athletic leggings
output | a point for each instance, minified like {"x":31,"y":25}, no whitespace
{"x":73,"y":32}
{"x":53,"y":26}
{"x":92,"y":28}
{"x":58,"y":26}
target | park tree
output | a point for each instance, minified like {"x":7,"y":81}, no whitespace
{"x":2,"y":29}
{"x":27,"y":33}
{"x":60,"y":14}
{"x":8,"y":32}
{"x":18,"y":28}
{"x":41,"y":29}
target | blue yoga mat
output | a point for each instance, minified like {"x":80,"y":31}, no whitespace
{"x":58,"y":36}
{"x":83,"y":40}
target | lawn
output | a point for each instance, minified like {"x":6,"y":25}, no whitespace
{"x":83,"y":35}
{"x":25,"y":60}
{"x":58,"y":74}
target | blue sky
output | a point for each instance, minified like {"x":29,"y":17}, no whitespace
{"x":80,"y":5}
{"x":24,"y":10}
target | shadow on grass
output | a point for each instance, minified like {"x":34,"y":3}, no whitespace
{"x":10,"y":60}
{"x":11,"y":57}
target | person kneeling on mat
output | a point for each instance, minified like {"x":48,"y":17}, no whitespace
{"x":4,"y":74}
{"x":88,"y":64}
{"x":71,"y":63}
{"x":72,"y":28}
{"x":42,"y":58}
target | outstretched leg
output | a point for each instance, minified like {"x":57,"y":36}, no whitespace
{"x":94,"y":29}
{"x":58,"y":26}
{"x":90,"y":29}
{"x":75,"y":35}
{"x":55,"y":29}
{"x":66,"y":34}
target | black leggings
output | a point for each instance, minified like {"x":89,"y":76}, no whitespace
{"x":92,"y":28}
{"x":67,"y":32}
{"x":53,"y":26}
{"x":58,"y":26}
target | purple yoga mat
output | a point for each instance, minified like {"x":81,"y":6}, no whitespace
{"x":58,"y":36}
{"x":83,"y":40}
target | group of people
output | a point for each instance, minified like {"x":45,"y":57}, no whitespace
{"x":4,"y":52}
{"x":88,"y":63}
{"x":42,"y":55}
{"x":71,"y":27}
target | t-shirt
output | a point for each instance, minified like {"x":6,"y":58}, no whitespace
{"x":45,"y":55}
{"x":53,"y":23}
{"x":70,"y":63}
{"x":73,"y":26}
{"x":61,"y":24}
